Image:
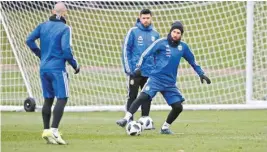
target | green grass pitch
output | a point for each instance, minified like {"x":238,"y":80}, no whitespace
{"x":197,"y":131}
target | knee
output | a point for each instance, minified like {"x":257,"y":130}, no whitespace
{"x":64,"y":100}
{"x":46,"y":109}
{"x":60,"y":105}
{"x":144,"y":97}
{"x":47,"y":105}
{"x":177,"y":106}
{"x":132,"y":97}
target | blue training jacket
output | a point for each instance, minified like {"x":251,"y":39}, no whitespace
{"x":168,"y":60}
{"x":136,"y":41}
{"x":55,"y":46}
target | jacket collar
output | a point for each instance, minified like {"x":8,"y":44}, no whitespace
{"x":56,"y":18}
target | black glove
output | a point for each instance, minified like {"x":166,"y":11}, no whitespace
{"x":137,"y":72}
{"x":77,"y":70}
{"x":203,"y":77}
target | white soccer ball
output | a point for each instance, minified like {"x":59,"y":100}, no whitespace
{"x":134,"y":128}
{"x":147,"y":123}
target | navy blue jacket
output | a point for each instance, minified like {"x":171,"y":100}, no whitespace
{"x":168,"y":60}
{"x":55,"y":45}
{"x":136,"y":41}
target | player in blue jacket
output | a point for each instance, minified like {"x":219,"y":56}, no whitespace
{"x":137,"y":40}
{"x":169,"y":52}
{"x":55,"y":50}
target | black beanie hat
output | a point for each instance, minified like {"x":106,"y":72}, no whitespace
{"x":177,"y":25}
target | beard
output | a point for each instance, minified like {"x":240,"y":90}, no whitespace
{"x":146,"y":24}
{"x":172,"y":42}
{"x":176,"y":39}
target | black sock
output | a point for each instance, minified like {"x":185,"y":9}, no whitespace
{"x":177,"y":108}
{"x":142,"y":98}
{"x":145,"y":108}
{"x":58,"y":111}
{"x":46,"y":112}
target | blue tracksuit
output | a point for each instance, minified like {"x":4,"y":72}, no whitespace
{"x":163,"y":77}
{"x":136,"y":41}
{"x":55,"y":50}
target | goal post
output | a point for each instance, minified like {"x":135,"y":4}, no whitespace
{"x":258,"y":65}
{"x":229,"y":40}
{"x":250,"y":68}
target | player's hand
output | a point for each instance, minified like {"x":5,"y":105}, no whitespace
{"x":203,"y":77}
{"x":77,"y":70}
{"x":137,"y":72}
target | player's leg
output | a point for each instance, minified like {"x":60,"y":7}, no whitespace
{"x":142,"y":98}
{"x":46,"y":112}
{"x":174,"y":98}
{"x":57,"y":115}
{"x":177,"y":108}
{"x":148,"y":92}
{"x":48,"y":95}
{"x":133,"y":86}
{"x":145,"y":107}
{"x":61,"y":87}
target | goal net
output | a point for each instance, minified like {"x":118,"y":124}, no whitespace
{"x":215,"y":31}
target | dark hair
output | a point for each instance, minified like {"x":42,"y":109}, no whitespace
{"x":146,"y":11}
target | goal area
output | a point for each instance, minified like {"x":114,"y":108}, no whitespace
{"x":229,"y":40}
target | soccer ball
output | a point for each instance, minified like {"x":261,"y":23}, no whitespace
{"x":134,"y":128}
{"x":147,"y":123}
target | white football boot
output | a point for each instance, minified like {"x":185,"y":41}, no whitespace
{"x":57,"y":137}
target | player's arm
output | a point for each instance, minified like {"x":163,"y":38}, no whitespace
{"x":127,"y":52}
{"x":158,"y":36}
{"x":67,"y":51}
{"x":148,"y":52}
{"x":190,"y":58}
{"x":34,"y":35}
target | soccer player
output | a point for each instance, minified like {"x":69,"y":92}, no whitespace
{"x":55,"y":50}
{"x":169,"y":52}
{"x":136,"y":41}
